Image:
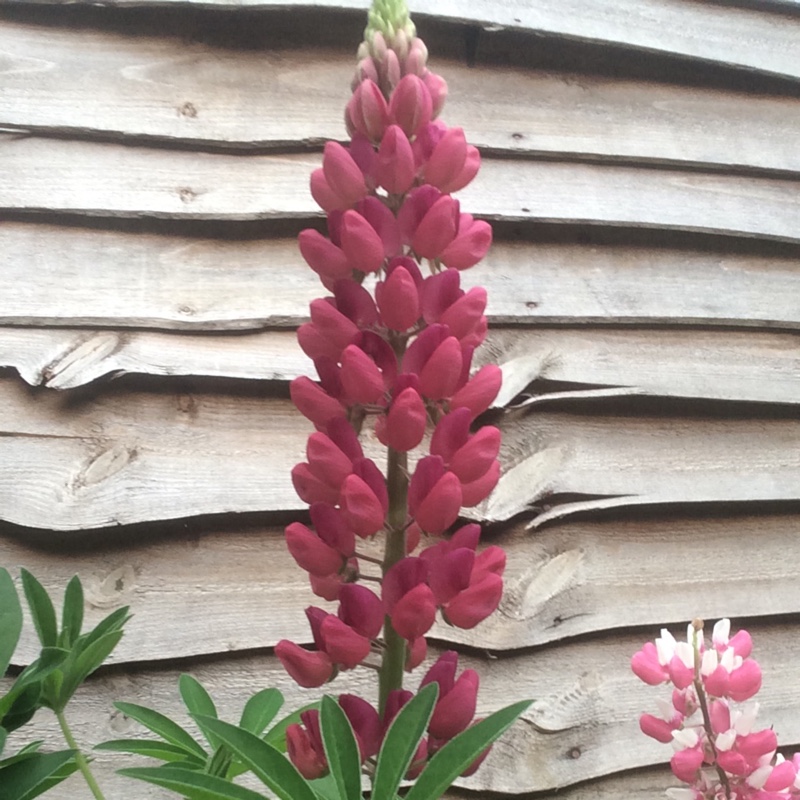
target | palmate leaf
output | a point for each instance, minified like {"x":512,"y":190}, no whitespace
{"x":164,"y":727}
{"x":34,"y":774}
{"x":461,"y":751}
{"x":10,"y":619}
{"x":402,"y":740}
{"x":192,"y":785}
{"x":270,"y":766}
{"x":341,"y":749}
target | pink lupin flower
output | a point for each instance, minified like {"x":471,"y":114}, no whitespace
{"x":455,"y":706}
{"x":307,"y":669}
{"x":434,"y":495}
{"x":395,"y":169}
{"x":365,"y":722}
{"x":367,"y":112}
{"x":361,"y":609}
{"x":323,"y":256}
{"x":304,"y":753}
{"x":437,"y":229}
{"x":469,"y":245}
{"x":310,"y":552}
{"x":361,"y":243}
{"x":398,"y":299}
{"x":362,"y":508}
{"x":362,"y":381}
{"x":314,"y":403}
{"x":479,"y":392}
{"x":403,"y":426}
{"x":410,"y":105}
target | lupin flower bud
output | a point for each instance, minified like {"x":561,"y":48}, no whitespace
{"x":410,"y":105}
{"x":367,"y":112}
{"x":395,"y":169}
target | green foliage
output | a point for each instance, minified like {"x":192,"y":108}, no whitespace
{"x":341,"y":749}
{"x":65,"y":660}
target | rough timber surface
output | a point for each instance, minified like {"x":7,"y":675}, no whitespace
{"x":751,"y":39}
{"x":719,"y":365}
{"x":122,"y":458}
{"x":52,"y":275}
{"x":112,"y":180}
{"x":109,"y":84}
{"x":582,"y":724}
{"x":563,"y":581}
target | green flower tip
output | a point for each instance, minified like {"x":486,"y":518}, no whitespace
{"x":388,"y":17}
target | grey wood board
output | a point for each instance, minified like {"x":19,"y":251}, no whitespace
{"x":70,"y":276}
{"x":641,"y":461}
{"x":720,"y":365}
{"x":123,"y":458}
{"x":583,"y":723}
{"x":562,"y":581}
{"x":113,"y":180}
{"x":752,"y":39}
{"x":100,"y":83}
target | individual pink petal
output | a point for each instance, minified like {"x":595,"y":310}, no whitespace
{"x":311,"y":488}
{"x":742,"y":644}
{"x":646,"y":666}
{"x":403,"y":427}
{"x":367,"y":112}
{"x":361,"y":609}
{"x":362,"y":381}
{"x":385,"y":224}
{"x":415,"y":653}
{"x":479,"y":392}
{"x":656,"y":728}
{"x":440,"y":376}
{"x":395,"y":168}
{"x":439,"y":509}
{"x":423,"y":347}
{"x":477,"y":491}
{"x":322,"y":255}
{"x":681,"y":675}
{"x":451,"y":434}
{"x":368,"y":471}
{"x":410,"y":105}
{"x":782,"y":777}
{"x":473,"y":459}
{"x":310,"y":763}
{"x":327,"y":461}
{"x":400,"y":579}
{"x":437,"y":229}
{"x":398,"y":300}
{"x":450,"y":574}
{"x":414,"y":613}
{"x":416,"y":205}
{"x":469,"y":246}
{"x":361,"y":243}
{"x":361,"y":507}
{"x":307,"y":669}
{"x":343,"y":175}
{"x":427,"y":472}
{"x":475,"y":603}
{"x":745,"y":681}
{"x":491,"y":560}
{"x":717,"y":683}
{"x":466,"y":313}
{"x":437,"y":87}
{"x":455,"y":709}
{"x":310,"y":552}
{"x":685,"y":764}
{"x":344,"y":645}
{"x":447,"y":159}
{"x":356,"y":304}
{"x":365,"y":722}
{"x":322,"y":193}
{"x":438,"y":293}
{"x":472,"y":164}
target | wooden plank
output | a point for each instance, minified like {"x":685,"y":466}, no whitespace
{"x":103,"y":83}
{"x":641,"y":461}
{"x":563,"y":581}
{"x":111,"y":180}
{"x":731,"y":36}
{"x":69,"y":276}
{"x":582,"y":725}
{"x":134,"y":457}
{"x":719,"y":365}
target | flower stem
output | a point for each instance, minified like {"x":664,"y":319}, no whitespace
{"x":394,"y":656}
{"x":80,"y":759}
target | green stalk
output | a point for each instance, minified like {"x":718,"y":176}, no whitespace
{"x":394,"y":656}
{"x":80,"y":759}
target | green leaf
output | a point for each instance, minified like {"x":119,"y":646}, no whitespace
{"x":49,"y":659}
{"x":193,"y":785}
{"x":3,"y":737}
{"x":56,"y":778}
{"x":461,"y":751}
{"x":26,"y":704}
{"x":401,"y":741}
{"x":164,"y":727}
{"x":10,"y":619}
{"x":33,"y":774}
{"x":260,"y":710}
{"x":83,"y":665}
{"x":72,"y":612}
{"x":270,"y":766}
{"x":277,"y":734}
{"x":151,"y":748}
{"x":326,"y":789}
{"x":199,"y":703}
{"x":42,"y":611}
{"x":113,"y":622}
{"x":341,"y":749}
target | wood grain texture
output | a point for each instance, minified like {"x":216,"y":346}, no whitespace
{"x":135,"y":457}
{"x":69,"y":276}
{"x":99,"y":83}
{"x":737,"y":37}
{"x":719,"y":365}
{"x":560,"y":582}
{"x":582,"y":725}
{"x":111,"y":180}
